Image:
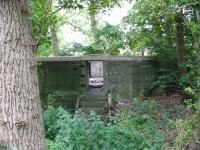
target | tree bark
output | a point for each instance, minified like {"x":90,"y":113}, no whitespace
{"x":93,"y":26}
{"x":93,"y":23}
{"x":54,"y":38}
{"x":54,"y":41}
{"x":197,"y":12}
{"x":21,"y":122}
{"x":169,"y":37}
{"x":195,"y":143}
{"x":180,"y":38}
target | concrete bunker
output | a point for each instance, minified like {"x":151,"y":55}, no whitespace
{"x":71,"y":79}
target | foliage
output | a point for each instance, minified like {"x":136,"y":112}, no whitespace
{"x":190,"y":81}
{"x":44,"y":22}
{"x":50,"y":122}
{"x":184,"y":131}
{"x":145,"y":107}
{"x":72,"y":48}
{"x":136,"y":131}
{"x":41,"y":19}
{"x":151,"y":26}
{"x":143,"y":127}
{"x":93,"y":5}
{"x":110,"y":41}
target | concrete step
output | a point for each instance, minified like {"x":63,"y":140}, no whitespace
{"x":102,"y":117}
{"x":98,"y":111}
{"x":94,"y":97}
{"x":92,"y":104}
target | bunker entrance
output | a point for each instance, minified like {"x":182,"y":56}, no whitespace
{"x":95,"y":75}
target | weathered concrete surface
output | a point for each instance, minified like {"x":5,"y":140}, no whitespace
{"x":63,"y":78}
{"x":128,"y":77}
{"x":131,"y":78}
{"x":95,"y":58}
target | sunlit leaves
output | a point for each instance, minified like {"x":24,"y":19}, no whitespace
{"x":110,"y":40}
{"x":93,"y":6}
{"x":41,"y":19}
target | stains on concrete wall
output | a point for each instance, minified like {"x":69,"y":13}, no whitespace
{"x":128,"y":76}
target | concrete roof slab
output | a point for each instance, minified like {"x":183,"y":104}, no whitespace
{"x":95,"y":58}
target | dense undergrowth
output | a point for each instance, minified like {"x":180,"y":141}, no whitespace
{"x":145,"y":127}
{"x":126,"y":131}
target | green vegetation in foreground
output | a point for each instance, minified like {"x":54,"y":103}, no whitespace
{"x":145,"y":127}
{"x":126,"y":131}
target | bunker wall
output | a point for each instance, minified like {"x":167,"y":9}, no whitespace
{"x":66,"y":79}
{"x":131,"y":78}
{"x":61,"y":80}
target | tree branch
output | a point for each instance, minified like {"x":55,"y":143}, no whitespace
{"x":173,"y":9}
{"x":58,"y":9}
{"x":63,"y":6}
{"x":79,"y":28}
{"x":41,"y":26}
{"x":189,"y":4}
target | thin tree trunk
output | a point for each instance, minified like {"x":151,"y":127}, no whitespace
{"x":180,"y":38}
{"x":54,"y":37}
{"x":169,"y":33}
{"x":93,"y":23}
{"x":93,"y":20}
{"x":54,"y":41}
{"x":93,"y":26}
{"x":142,"y":53}
{"x":197,"y":12}
{"x":195,"y":144}
{"x":21,"y":123}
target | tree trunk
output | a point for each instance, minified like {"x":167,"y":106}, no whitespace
{"x":197,"y":12}
{"x":93,"y":26}
{"x":195,"y":144}
{"x":93,"y":23}
{"x":54,"y":41}
{"x":142,"y":54}
{"x":21,"y":123}
{"x":54,"y":38}
{"x":180,"y":38}
{"x":169,"y":37}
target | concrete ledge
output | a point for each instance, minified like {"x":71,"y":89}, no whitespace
{"x":59,"y":58}
{"x":93,"y":58}
{"x":131,"y":58}
{"x":96,"y":58}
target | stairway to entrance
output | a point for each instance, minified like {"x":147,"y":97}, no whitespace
{"x":93,"y":102}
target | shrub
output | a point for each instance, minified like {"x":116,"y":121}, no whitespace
{"x":76,"y":132}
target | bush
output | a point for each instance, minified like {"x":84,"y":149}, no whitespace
{"x":76,"y":132}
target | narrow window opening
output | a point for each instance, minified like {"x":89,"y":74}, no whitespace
{"x":95,"y":74}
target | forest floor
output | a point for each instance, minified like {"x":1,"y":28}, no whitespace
{"x":173,"y":117}
{"x":176,"y":118}
{"x":163,"y":120}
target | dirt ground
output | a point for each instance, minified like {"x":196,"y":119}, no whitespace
{"x":170,"y":108}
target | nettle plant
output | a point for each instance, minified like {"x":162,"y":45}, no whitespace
{"x":76,"y":132}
